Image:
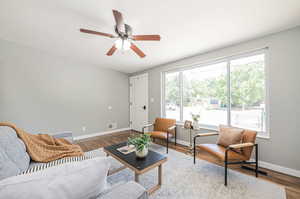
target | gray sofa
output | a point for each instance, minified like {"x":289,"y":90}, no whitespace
{"x":14,"y":160}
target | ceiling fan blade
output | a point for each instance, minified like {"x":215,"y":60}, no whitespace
{"x":137,"y":50}
{"x":111,"y":51}
{"x":146,"y":37}
{"x":97,"y":33}
{"x":119,"y":20}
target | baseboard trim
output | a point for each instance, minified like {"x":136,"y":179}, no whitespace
{"x":263,"y":164}
{"x":280,"y":169}
{"x":80,"y":137}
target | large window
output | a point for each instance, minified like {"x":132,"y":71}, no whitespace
{"x":230,"y":92}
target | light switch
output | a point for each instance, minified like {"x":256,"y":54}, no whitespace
{"x":109,"y":107}
{"x":151,"y":99}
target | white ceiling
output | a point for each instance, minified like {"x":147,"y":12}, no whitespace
{"x":186,"y":27}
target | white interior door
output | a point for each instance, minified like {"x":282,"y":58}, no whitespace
{"x":138,"y":101}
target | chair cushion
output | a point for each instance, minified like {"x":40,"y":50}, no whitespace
{"x":229,"y":135}
{"x":13,"y":156}
{"x":219,"y":152}
{"x":160,"y":135}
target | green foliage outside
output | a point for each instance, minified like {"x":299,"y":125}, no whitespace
{"x":247,"y":87}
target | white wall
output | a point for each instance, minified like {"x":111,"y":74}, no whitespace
{"x":284,"y":68}
{"x":44,"y":93}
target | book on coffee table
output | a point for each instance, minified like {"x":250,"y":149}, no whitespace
{"x":126,"y":149}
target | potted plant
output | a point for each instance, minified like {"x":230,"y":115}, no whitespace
{"x":141,"y":144}
{"x":196,"y":118}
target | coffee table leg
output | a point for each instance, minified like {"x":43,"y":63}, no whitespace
{"x":136,"y":177}
{"x":159,"y":175}
{"x":156,"y":187}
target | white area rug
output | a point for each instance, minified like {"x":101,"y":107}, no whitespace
{"x":182,"y":179}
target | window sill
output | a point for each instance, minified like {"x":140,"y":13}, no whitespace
{"x":264,"y":136}
{"x":201,"y":127}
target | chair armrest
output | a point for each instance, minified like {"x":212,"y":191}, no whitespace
{"x":171,"y":128}
{"x":242,"y":145}
{"x":146,"y":126}
{"x":206,"y":134}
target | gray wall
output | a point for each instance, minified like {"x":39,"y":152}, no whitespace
{"x":44,"y":93}
{"x":284,"y":85}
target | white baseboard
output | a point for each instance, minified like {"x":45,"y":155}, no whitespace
{"x":263,"y":164}
{"x":278,"y":168}
{"x":100,"y":133}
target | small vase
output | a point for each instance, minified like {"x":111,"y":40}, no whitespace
{"x":142,"y":154}
{"x":196,"y":125}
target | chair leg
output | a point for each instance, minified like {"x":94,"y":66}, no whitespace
{"x":167,"y":142}
{"x":194,"y":150}
{"x":226,"y":168}
{"x":175,"y":137}
{"x":256,"y":160}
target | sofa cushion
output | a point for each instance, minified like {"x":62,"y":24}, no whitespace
{"x":77,"y":180}
{"x":13,"y":156}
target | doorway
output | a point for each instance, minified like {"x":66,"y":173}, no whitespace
{"x":138,"y":101}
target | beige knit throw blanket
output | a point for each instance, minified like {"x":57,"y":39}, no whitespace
{"x":45,"y":148}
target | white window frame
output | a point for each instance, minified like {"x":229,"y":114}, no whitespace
{"x":228,"y":59}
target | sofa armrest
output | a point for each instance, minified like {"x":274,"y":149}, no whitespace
{"x":129,"y":190}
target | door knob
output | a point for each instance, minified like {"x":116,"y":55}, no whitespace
{"x":144,"y":107}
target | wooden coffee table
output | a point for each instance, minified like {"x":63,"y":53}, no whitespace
{"x":138,"y":166}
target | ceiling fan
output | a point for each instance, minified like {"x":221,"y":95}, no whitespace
{"x":124,"y":35}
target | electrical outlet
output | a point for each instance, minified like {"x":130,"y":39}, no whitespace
{"x":112,"y":125}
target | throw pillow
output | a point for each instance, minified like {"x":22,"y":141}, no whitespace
{"x":77,"y":180}
{"x":229,"y":135}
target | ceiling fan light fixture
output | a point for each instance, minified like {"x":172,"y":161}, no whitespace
{"x":124,"y":37}
{"x":122,"y":44}
{"x":126,"y":44}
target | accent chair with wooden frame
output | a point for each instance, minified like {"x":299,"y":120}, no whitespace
{"x":229,"y":155}
{"x":163,"y":129}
